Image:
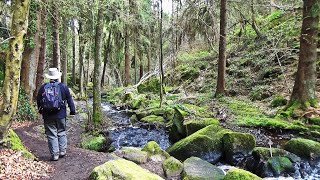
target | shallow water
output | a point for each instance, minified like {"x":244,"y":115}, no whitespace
{"x":126,"y":134}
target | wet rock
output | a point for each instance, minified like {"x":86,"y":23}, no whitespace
{"x":134,"y":154}
{"x":239,"y":174}
{"x":152,"y":149}
{"x":198,"y":169}
{"x":304,"y":148}
{"x":122,"y":169}
{"x":205,"y":143}
{"x":172,"y":167}
{"x":237,"y":146}
{"x":280,"y":165}
{"x":263,"y":153}
{"x":177,"y":130}
{"x":192,"y":126}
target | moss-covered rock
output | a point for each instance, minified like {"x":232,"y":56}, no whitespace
{"x":192,"y":126}
{"x":236,"y":144}
{"x":93,"y":142}
{"x":121,"y":169}
{"x":263,"y":154}
{"x":279,"y":101}
{"x":239,"y":174}
{"x":315,"y":121}
{"x":13,"y":141}
{"x":177,"y":131}
{"x":172,"y":167}
{"x":280,"y":165}
{"x":304,"y":148}
{"x":205,"y":143}
{"x":198,"y":169}
{"x":152,"y":148}
{"x":152,"y":85}
{"x":134,"y":154}
{"x":153,"y":119}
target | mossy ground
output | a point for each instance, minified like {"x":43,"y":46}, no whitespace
{"x":93,"y":142}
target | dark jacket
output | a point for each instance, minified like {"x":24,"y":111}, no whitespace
{"x":62,"y":113}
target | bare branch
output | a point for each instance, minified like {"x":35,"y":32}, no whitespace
{"x":2,"y":42}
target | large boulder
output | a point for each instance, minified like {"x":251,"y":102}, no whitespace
{"x":198,"y":169}
{"x":193,"y":126}
{"x":151,"y":85}
{"x":304,"y":148}
{"x":122,"y":169}
{"x":237,"y":146}
{"x":239,"y":174}
{"x":280,"y":165}
{"x":205,"y":144}
{"x":264,"y":154}
{"x":134,"y":154}
{"x":172,"y":167}
{"x":153,"y":119}
{"x":155,"y":152}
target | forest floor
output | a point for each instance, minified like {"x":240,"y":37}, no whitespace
{"x":77,"y":164}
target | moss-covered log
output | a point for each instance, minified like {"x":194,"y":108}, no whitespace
{"x":20,"y":9}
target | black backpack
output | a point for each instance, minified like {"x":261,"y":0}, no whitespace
{"x":51,"y":100}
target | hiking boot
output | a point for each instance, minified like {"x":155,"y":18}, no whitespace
{"x":62,"y":153}
{"x":55,"y":158}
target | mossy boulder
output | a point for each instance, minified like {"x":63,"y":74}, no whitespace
{"x":177,"y":130}
{"x":13,"y":142}
{"x":205,"y":143}
{"x":315,"y":121}
{"x":263,"y":154}
{"x":121,"y":169}
{"x":279,"y":101}
{"x":151,"y":85}
{"x":93,"y":142}
{"x":153,"y":119}
{"x":192,"y":126}
{"x":198,"y":169}
{"x":134,"y":154}
{"x":280,"y":165}
{"x":172,"y":167}
{"x":152,"y":148}
{"x":237,"y":146}
{"x":240,"y":174}
{"x":304,"y":148}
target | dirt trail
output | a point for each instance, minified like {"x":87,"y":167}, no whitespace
{"x":77,"y":164}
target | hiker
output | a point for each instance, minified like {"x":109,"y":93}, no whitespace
{"x":51,"y":101}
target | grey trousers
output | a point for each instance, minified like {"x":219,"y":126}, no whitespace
{"x":56,"y":135}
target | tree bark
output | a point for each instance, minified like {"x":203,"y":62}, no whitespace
{"x":82,"y":45}
{"x":161,"y":57}
{"x":42,"y":51}
{"x":64,"y":62}
{"x":305,"y":82}
{"x":127,"y":54}
{"x":97,"y":112}
{"x":106,"y":57}
{"x":56,"y":39}
{"x":10,"y":91}
{"x":75,"y":53}
{"x":222,"y":49}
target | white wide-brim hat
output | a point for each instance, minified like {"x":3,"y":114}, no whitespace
{"x":53,"y":73}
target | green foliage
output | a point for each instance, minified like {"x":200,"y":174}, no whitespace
{"x":25,"y":110}
{"x":152,"y":85}
{"x":13,"y":141}
{"x":260,"y":93}
{"x":279,"y":101}
{"x":315,"y":10}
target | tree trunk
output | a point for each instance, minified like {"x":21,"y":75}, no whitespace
{"x":149,"y":51}
{"x":64,"y":62}
{"x":135,"y":59}
{"x":106,"y":54}
{"x":82,"y":45}
{"x":75,"y":53}
{"x":161,"y":57}
{"x":141,"y":65}
{"x":56,"y":39}
{"x":222,"y":49}
{"x":305,"y":83}
{"x":97,"y":113}
{"x":127,"y":58}
{"x":11,"y":85}
{"x":42,"y":50}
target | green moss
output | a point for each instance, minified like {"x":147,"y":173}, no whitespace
{"x":263,"y":153}
{"x":121,"y":169}
{"x":260,"y":93}
{"x":152,"y":85}
{"x":135,"y":154}
{"x":153,"y":119}
{"x":205,"y":143}
{"x":280,"y":164}
{"x":279,"y":101}
{"x":192,"y":126}
{"x":93,"y":142}
{"x":196,"y":110}
{"x":239,"y":174}
{"x":315,"y":121}
{"x":304,"y":148}
{"x":152,"y":148}
{"x":172,"y":167}
{"x":13,"y":141}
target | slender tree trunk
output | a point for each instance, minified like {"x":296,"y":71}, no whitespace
{"x":11,"y":86}
{"x":82,"y":45}
{"x":135,"y":59}
{"x":161,"y":57}
{"x":56,"y":39}
{"x":64,"y":62}
{"x":149,"y":51}
{"x":106,"y":57}
{"x":305,"y":83}
{"x":222,"y":49}
{"x":253,"y":21}
{"x":97,"y":113}
{"x":127,"y":59}
{"x":141,"y":65}
{"x":42,"y":53}
{"x":75,"y":53}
